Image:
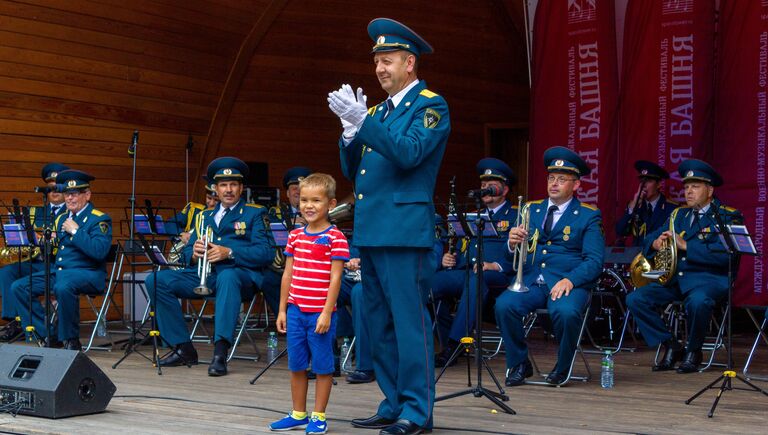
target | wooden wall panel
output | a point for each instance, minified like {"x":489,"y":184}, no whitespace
{"x":281,"y":115}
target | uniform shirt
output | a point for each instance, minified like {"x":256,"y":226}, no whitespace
{"x":312,"y":256}
{"x":557,"y":213}
{"x":223,"y":212}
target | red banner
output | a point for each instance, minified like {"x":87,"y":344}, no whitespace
{"x":666,"y":112}
{"x":740,"y":137}
{"x":574,"y":95}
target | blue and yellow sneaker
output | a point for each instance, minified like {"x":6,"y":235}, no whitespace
{"x":290,"y":423}
{"x":317,"y":426}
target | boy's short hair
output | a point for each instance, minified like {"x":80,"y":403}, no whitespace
{"x":319,"y":179}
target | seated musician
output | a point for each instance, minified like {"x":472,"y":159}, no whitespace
{"x":649,"y":208}
{"x":449,"y":283}
{"x":238,"y":251}
{"x":83,"y":236}
{"x":565,"y":246}
{"x":702,"y":268}
{"x":16,"y":269}
{"x":181,"y":224}
{"x":288,"y":214}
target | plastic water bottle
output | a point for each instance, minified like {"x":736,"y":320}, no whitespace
{"x":606,"y":372}
{"x":101,"y":327}
{"x":271,"y":346}
{"x":345,"y":360}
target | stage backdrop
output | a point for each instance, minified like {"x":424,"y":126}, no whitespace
{"x":740,"y":133}
{"x":575,"y":88}
{"x":666,"y":113}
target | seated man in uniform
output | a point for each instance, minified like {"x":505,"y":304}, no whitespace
{"x":238,"y":251}
{"x":449,"y":283}
{"x":181,"y":224}
{"x":84,"y":236}
{"x":702,"y":268}
{"x":653,"y":208}
{"x":16,"y":270}
{"x":564,"y":243}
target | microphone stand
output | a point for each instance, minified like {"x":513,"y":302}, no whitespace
{"x":130,"y":245}
{"x":475,"y":343}
{"x":726,"y":379}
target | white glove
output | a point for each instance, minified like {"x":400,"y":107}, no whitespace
{"x":347,"y":106}
{"x":350,"y":130}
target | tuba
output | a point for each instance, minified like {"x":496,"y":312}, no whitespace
{"x":664,"y":262}
{"x":524,"y":248}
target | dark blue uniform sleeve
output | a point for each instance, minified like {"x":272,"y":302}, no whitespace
{"x":260,"y":251}
{"x":592,"y":254}
{"x":94,"y":239}
{"x":418,"y":144}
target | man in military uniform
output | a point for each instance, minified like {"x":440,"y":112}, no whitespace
{"x":16,"y":270}
{"x":181,"y":224}
{"x":449,"y":283}
{"x":238,"y":251}
{"x":649,"y":208}
{"x":392,"y":152}
{"x":564,"y":243}
{"x":702,"y":268}
{"x":84,"y":236}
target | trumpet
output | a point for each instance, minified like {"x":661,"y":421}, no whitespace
{"x":522,"y":250}
{"x":203,"y":265}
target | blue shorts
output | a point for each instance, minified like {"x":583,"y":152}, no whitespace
{"x":304,"y":343}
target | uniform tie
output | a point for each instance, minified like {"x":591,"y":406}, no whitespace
{"x":388,"y":108}
{"x":550,"y":218}
{"x":55,"y":209}
{"x":223,"y":213}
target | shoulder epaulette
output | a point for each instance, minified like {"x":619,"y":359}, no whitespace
{"x":196,"y":205}
{"x":589,"y":206}
{"x":372,"y":110}
{"x":538,"y":201}
{"x":515,"y":207}
{"x":254,"y":205}
{"x":669,"y":201}
{"x":427,"y":93}
{"x":97,"y":213}
{"x":728,"y":209}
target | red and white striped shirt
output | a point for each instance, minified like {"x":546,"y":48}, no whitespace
{"x":312,"y":255}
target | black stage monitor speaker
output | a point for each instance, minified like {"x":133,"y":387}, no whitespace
{"x":51,"y":383}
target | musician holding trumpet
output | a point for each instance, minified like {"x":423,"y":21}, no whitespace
{"x":649,"y":208}
{"x":229,"y":250}
{"x":561,"y":247}
{"x":701,"y":265}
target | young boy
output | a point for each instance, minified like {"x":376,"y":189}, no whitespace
{"x":315,"y":257}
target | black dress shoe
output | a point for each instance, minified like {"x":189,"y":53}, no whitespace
{"x":72,"y":344}
{"x":517,"y":374}
{"x":12,"y":332}
{"x":691,"y":362}
{"x":374,"y":422}
{"x":360,"y":377}
{"x":556,"y":378}
{"x":179,"y":357}
{"x":672,"y":354}
{"x":53,"y":342}
{"x":218,"y":366}
{"x":403,"y":427}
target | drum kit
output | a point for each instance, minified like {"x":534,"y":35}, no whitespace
{"x":610,"y":323}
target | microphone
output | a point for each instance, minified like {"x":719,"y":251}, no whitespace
{"x":488,"y":191}
{"x":48,"y":189}
{"x":134,"y":142}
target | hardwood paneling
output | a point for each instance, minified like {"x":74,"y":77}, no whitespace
{"x":281,"y":115}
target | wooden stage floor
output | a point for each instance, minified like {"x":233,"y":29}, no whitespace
{"x":185,"y":400}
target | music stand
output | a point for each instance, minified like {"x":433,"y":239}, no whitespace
{"x":736,"y":240}
{"x":479,"y":231}
{"x":133,"y":248}
{"x":16,"y":233}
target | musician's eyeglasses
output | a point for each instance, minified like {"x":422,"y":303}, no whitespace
{"x":559,"y":180}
